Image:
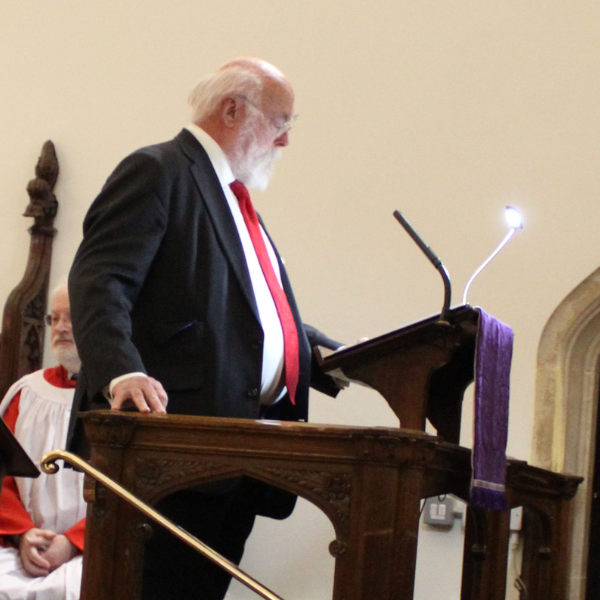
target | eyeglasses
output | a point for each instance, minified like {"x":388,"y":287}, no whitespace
{"x":282,"y":128}
{"x":51,"y":320}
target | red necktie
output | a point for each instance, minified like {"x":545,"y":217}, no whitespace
{"x":290,"y":334}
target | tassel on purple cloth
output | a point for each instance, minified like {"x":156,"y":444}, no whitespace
{"x":492,"y":389}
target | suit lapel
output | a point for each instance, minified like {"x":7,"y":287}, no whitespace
{"x":211,"y":192}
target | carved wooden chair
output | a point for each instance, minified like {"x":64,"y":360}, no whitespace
{"x":23,"y":328}
{"x":22,"y":338}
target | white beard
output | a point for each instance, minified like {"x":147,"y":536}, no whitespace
{"x":261,"y":169}
{"x":68,"y":357}
{"x":253,"y":167}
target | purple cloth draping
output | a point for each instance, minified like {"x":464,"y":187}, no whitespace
{"x":492,"y":388}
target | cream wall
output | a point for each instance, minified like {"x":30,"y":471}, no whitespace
{"x":445,"y":110}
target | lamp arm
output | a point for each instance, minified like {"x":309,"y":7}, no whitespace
{"x":486,"y":262}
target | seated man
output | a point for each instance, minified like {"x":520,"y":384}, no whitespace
{"x":42,"y":520}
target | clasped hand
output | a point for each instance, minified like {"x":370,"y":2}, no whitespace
{"x":42,"y":551}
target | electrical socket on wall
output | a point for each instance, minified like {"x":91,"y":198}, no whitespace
{"x":439,"y":511}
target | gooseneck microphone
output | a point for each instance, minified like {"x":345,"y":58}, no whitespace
{"x":433,"y":257}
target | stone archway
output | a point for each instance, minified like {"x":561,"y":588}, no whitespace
{"x":566,"y":401}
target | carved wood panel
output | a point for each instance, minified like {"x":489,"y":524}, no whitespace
{"x":23,"y":329}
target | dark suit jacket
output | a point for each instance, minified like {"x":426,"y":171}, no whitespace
{"x":160,"y":285}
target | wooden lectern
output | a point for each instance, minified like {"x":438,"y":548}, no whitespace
{"x":370,"y":482}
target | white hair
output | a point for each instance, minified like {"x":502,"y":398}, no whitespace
{"x":62,"y":284}
{"x":237,"y":78}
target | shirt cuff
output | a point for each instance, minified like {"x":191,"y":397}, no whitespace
{"x":108,"y":390}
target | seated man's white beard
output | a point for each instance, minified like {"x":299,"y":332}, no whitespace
{"x":68,"y":357}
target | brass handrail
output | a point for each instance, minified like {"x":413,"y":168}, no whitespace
{"x":49,"y":465}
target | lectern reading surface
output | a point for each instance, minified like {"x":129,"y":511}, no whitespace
{"x":421,"y":370}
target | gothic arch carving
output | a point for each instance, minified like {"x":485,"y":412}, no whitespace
{"x":328,"y":491}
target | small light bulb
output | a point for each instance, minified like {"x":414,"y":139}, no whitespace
{"x":513,"y":218}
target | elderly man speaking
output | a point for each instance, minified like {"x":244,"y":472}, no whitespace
{"x":181,"y":304}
